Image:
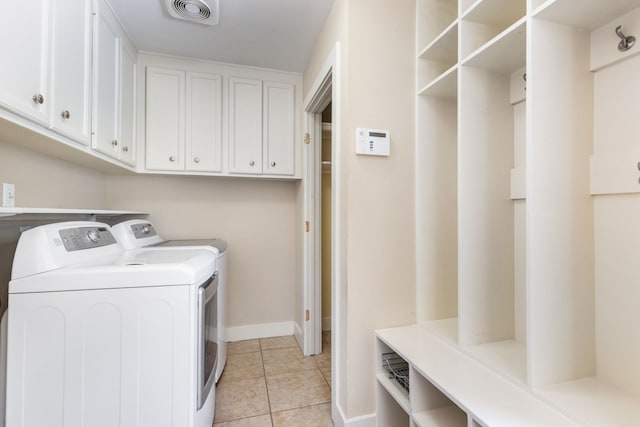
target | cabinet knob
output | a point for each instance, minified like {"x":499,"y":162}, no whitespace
{"x":125,"y":149}
{"x":252,"y":163}
{"x":114,"y":143}
{"x":172,"y":159}
{"x":38,"y":98}
{"x":273,"y":164}
{"x":65,"y":114}
{"x":197,"y":160}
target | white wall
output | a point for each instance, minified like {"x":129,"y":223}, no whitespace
{"x":376,"y":90}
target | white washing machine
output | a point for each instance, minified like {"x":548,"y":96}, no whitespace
{"x":138,"y":233}
{"x":102,"y":336}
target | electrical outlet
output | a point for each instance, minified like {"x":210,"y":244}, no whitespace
{"x":8,"y":195}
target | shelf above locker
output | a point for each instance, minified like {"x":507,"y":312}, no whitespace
{"x":586,"y":14}
{"x":445,"y":47}
{"x":444,"y":86}
{"x":496,"y":13}
{"x":505,"y":53}
{"x":434,"y":18}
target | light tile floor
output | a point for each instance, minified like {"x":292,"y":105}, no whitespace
{"x":269,"y":383}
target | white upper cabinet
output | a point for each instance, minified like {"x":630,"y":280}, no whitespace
{"x":46,"y":75}
{"x":26,"y":34}
{"x":114,"y":69}
{"x":165,"y":119}
{"x":204,"y":122}
{"x":245,"y":126}
{"x":261,"y":127}
{"x":278,"y":128}
{"x":71,"y":87}
{"x":183,"y":121}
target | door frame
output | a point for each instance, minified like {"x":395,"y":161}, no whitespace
{"x":325,"y":89}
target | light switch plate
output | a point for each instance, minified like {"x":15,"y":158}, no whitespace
{"x":8,"y":195}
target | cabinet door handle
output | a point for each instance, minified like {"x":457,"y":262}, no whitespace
{"x":114,"y":142}
{"x":125,"y":149}
{"x":251,"y":163}
{"x":196,"y":160}
{"x":65,"y":114}
{"x":172,"y":159}
{"x":38,"y":98}
{"x":273,"y":164}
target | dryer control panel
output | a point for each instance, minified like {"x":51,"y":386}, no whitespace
{"x":77,"y":239}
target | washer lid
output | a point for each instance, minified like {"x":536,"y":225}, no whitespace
{"x":132,"y":269}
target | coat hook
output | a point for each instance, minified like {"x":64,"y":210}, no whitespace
{"x":626,"y":42}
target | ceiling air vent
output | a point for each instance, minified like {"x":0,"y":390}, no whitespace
{"x":194,"y":11}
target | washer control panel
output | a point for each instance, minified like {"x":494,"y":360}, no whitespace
{"x":77,"y":239}
{"x":142,"y":231}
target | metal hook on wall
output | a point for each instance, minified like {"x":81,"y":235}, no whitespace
{"x":626,"y":42}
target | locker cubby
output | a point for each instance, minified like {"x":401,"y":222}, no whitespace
{"x":437,"y":213}
{"x":485,"y":20}
{"x":492,"y":225}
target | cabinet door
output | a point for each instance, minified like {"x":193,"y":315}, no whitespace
{"x":71,"y":86}
{"x":278,"y":129}
{"x":106,"y":90}
{"x":245,"y":126}
{"x":25,"y":34}
{"x":204,"y":122}
{"x":128,"y":74}
{"x":165,"y":119}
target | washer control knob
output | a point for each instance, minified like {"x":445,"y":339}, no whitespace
{"x":146,"y":229}
{"x":93,"y":235}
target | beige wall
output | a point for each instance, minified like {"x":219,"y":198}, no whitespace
{"x":256,"y":217}
{"x":42,"y":181}
{"x":376,"y":90}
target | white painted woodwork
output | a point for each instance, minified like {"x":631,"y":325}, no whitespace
{"x":183,"y":120}
{"x":71,"y":79}
{"x":245,"y":126}
{"x":278,"y":128}
{"x":26,"y":31}
{"x":203,"y":141}
{"x":165,"y":119}
{"x":537,"y":280}
{"x":449,"y":388}
{"x":128,"y":86}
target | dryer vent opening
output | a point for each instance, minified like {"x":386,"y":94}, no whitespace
{"x":194,"y":11}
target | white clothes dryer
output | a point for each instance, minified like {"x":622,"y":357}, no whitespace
{"x":139,"y":233}
{"x":102,"y":336}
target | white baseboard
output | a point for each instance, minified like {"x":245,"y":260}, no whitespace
{"x":361,"y":421}
{"x":263,"y":330}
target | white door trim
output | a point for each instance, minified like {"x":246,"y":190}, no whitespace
{"x":325,"y":88}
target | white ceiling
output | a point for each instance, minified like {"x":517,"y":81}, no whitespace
{"x":276,"y":34}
